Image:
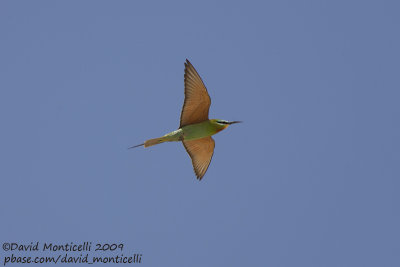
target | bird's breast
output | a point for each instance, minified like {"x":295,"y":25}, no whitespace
{"x":198,"y":130}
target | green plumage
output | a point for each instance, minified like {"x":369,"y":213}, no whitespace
{"x":194,"y":131}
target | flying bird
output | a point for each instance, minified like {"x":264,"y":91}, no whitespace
{"x":195,"y":128}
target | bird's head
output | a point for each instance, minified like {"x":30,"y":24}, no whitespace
{"x":222,"y":124}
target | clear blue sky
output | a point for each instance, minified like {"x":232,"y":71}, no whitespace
{"x":311,"y":178}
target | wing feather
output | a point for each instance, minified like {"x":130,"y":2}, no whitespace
{"x":197,"y":101}
{"x":201,"y":152}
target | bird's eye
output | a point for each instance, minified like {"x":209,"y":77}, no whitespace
{"x":222,"y":122}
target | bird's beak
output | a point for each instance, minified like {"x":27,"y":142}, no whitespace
{"x":233,"y":122}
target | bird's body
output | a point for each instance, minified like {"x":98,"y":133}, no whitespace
{"x":195,"y":129}
{"x":202,"y":129}
{"x":189,"y":132}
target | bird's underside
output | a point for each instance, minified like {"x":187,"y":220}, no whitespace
{"x":194,"y":130}
{"x":195,"y":110}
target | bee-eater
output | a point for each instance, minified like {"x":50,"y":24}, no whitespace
{"x":195,"y":129}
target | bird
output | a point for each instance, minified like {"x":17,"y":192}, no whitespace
{"x":195,"y":129}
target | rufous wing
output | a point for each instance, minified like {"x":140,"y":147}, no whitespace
{"x":201,"y":152}
{"x":197,"y":101}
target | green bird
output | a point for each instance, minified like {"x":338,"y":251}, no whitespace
{"x":195,"y":129}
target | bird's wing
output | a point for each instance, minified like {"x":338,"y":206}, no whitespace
{"x":197,"y":101}
{"x":201,"y":152}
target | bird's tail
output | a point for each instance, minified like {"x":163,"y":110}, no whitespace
{"x":155,"y":141}
{"x":152,"y":142}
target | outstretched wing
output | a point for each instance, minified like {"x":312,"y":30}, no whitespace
{"x":197,"y":101}
{"x":201,"y":152}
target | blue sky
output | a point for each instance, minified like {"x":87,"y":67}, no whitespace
{"x":310,"y":178}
